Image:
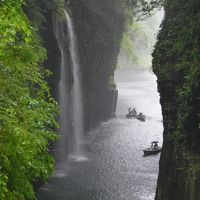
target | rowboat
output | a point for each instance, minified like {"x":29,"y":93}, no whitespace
{"x":153,"y":149}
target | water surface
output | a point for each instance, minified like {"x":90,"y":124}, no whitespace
{"x":114,"y":167}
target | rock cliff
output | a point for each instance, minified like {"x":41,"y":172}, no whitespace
{"x":176,"y":64}
{"x":99,"y":26}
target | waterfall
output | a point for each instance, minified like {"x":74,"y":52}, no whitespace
{"x":63,"y":99}
{"x":76,"y":93}
{"x":71,"y":108}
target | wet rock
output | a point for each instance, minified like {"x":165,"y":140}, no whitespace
{"x":179,"y":97}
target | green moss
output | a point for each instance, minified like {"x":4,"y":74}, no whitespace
{"x":176,"y":57}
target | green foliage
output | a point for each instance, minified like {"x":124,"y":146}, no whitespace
{"x":27,"y":111}
{"x":127,"y":44}
{"x":36,"y":9}
{"x":143,"y":8}
{"x":176,"y":58}
{"x":137,"y":43}
{"x":127,"y":47}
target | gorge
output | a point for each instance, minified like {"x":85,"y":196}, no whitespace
{"x":112,"y":150}
{"x":98,"y":153}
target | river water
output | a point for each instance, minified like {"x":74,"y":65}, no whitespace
{"x":114,"y":167}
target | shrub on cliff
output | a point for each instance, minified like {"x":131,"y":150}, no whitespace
{"x":27,"y":111}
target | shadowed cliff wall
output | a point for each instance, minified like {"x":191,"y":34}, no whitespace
{"x":176,"y":63}
{"x":99,"y":26}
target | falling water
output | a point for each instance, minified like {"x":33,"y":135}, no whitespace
{"x":62,"y":148}
{"x":76,"y":93}
{"x":69,"y":103}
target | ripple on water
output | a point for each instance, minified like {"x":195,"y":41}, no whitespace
{"x":113,"y":166}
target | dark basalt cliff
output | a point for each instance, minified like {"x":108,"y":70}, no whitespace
{"x":176,"y":63}
{"x":99,"y":26}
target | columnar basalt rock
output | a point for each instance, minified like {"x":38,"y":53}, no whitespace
{"x":99,"y":27}
{"x":176,"y":64}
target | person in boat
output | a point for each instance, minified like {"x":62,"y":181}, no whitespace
{"x":129,"y":111}
{"x":140,"y":115}
{"x":133,"y":112}
{"x":155,"y":145}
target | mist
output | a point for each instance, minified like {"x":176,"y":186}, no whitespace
{"x":138,"y":43}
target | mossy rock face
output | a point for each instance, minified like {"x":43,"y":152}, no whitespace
{"x":176,"y":64}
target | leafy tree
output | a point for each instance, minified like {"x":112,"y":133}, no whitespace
{"x":136,"y":11}
{"x":27,"y":111}
{"x":144,"y":7}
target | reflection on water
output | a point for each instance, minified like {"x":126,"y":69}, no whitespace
{"x":115,"y":168}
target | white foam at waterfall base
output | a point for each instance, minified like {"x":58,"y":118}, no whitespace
{"x":77,"y":158}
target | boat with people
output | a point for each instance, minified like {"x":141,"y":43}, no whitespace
{"x":140,"y":117}
{"x":129,"y":116}
{"x":132,"y":113}
{"x":153,"y":149}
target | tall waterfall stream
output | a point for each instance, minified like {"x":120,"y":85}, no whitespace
{"x":61,"y":152}
{"x":75,"y":98}
{"x":76,"y":94}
